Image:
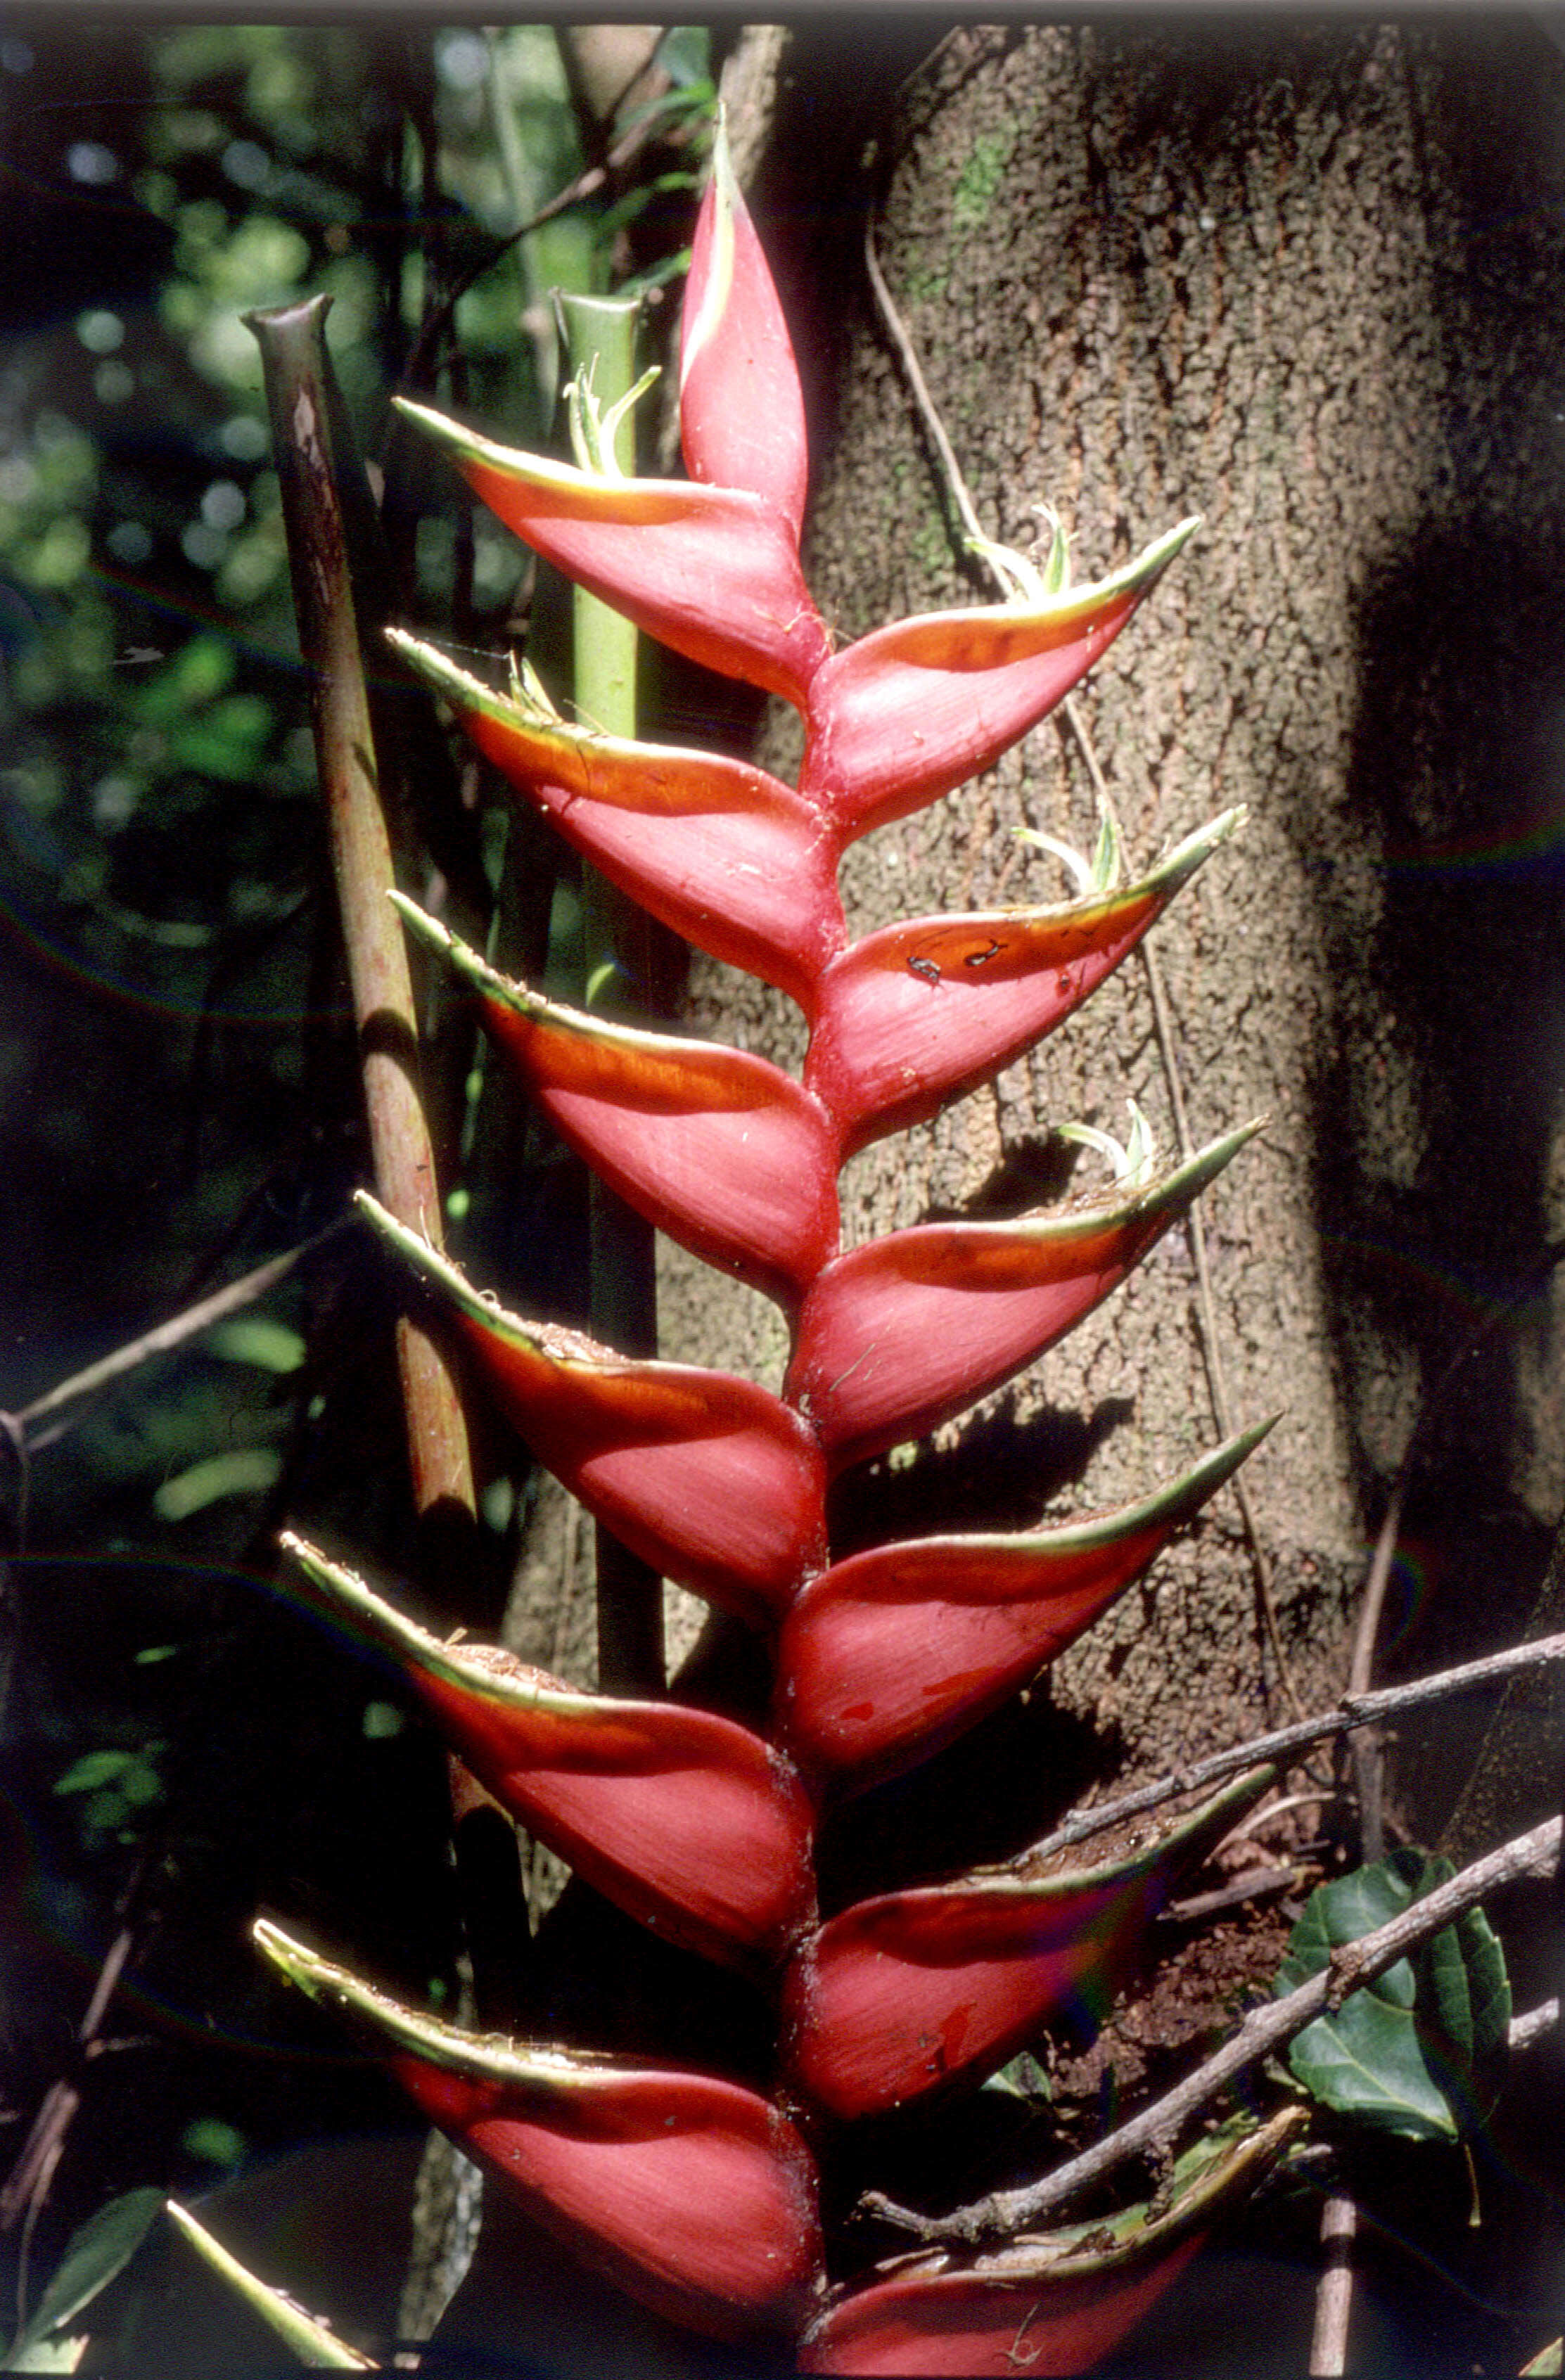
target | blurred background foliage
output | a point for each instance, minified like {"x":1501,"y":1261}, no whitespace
{"x":179,"y":1091}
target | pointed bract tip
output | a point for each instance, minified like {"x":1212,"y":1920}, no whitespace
{"x":418,"y":922}
{"x":1207,"y":1163}
{"x":292,"y":1959}
{"x":1151,"y":565}
{"x":438,"y":426}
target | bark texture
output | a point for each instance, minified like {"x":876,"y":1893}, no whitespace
{"x":1307,"y":282}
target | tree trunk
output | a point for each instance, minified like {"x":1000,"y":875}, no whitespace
{"x":1308,"y":284}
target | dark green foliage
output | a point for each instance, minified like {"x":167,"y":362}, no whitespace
{"x":1414,"y":2052}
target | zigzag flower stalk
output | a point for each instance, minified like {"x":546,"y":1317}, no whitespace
{"x":698,"y":2196}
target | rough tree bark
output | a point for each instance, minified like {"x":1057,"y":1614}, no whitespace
{"x":1306,"y":282}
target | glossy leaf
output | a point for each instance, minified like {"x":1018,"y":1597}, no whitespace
{"x":903,"y":1994}
{"x":888,"y":1655}
{"x":741,"y":411}
{"x":1051,"y":2305}
{"x":694,"y":2195}
{"x":922,"y":1011}
{"x":722,"y":1151}
{"x":711,"y":572}
{"x":731,"y":858}
{"x":713,"y":1480}
{"x":897,"y":1336}
{"x":687,"y":1821}
{"x":1406,"y":2053}
{"x":914,"y":709}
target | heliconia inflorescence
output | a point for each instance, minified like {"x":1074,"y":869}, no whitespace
{"x":696,"y":2195}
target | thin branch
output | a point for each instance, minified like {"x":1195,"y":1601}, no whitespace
{"x":1265,"y":2030}
{"x":165,"y":1337}
{"x":961,"y":495}
{"x":1353,"y":1711}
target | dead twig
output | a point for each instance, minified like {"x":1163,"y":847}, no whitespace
{"x":1334,"y":2293}
{"x":1353,"y":1711}
{"x":24,"y":1426}
{"x":27,"y":2186}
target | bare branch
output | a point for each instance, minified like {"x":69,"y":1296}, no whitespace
{"x":167,"y":1336}
{"x":1353,"y":1711}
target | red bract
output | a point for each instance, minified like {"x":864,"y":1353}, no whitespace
{"x":725,"y":1152}
{"x":937,"y":2319}
{"x":698,"y":2195}
{"x":902,"y":1994}
{"x":733,"y":859}
{"x":920,"y":1011}
{"x":897,"y":1336}
{"x":683,"y":1819}
{"x":886,"y":1656}
{"x":1051,"y":2305}
{"x":694,"y":2195}
{"x":741,"y":413}
{"x":712,"y":572}
{"x":914,"y":710}
{"x":709,"y":1479}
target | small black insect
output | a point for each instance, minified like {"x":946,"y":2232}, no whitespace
{"x":981,"y":958}
{"x":927,"y":968}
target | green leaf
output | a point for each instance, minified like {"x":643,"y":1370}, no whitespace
{"x":1407,"y":2053}
{"x":248,"y":1471}
{"x":256,"y":1340}
{"x":92,"y":1770}
{"x":94,"y":2254}
{"x":1021,"y":2078}
{"x":53,"y":2355}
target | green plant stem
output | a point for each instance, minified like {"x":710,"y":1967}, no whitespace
{"x":598,"y":334}
{"x":306,"y":431}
